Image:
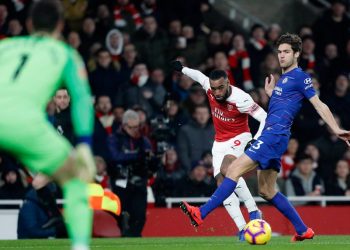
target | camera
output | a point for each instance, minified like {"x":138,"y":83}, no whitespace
{"x":161,"y":133}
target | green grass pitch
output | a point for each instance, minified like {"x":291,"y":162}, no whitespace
{"x":184,"y":243}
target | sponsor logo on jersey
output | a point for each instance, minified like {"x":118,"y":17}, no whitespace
{"x":307,"y":81}
{"x":278,"y":90}
{"x":285,"y":80}
{"x":217,"y":113}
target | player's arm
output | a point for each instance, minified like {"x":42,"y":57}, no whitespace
{"x":246,"y":104}
{"x":195,"y":75}
{"x":323,"y":110}
{"x":75,"y":79}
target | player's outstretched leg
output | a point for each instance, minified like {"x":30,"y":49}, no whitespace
{"x":231,"y":205}
{"x":244,"y":194}
{"x":267,"y":180}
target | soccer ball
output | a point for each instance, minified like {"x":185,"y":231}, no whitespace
{"x":257,"y":232}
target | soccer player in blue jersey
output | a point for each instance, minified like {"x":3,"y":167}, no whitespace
{"x":265,"y":153}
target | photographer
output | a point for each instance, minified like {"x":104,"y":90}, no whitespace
{"x":133,"y":162}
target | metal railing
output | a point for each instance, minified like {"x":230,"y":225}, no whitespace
{"x":321,"y":199}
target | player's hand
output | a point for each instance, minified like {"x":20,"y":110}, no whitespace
{"x":270,"y":83}
{"x":250,"y":143}
{"x":84,"y":162}
{"x":344,"y":135}
{"x":176,"y":65}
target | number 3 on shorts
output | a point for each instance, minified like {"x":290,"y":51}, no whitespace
{"x":258,"y":144}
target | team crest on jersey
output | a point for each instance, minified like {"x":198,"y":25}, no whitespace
{"x":308,"y":81}
{"x":229,"y":107}
{"x":285,"y":80}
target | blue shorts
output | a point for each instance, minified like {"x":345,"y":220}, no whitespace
{"x":267,"y":150}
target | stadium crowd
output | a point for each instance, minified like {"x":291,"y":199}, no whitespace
{"x":127,"y":46}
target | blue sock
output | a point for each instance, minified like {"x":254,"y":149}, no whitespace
{"x":286,"y":208}
{"x":222,"y":192}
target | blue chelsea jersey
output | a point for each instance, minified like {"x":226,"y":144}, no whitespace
{"x":286,"y":100}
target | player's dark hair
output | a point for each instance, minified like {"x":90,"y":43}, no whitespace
{"x":292,"y":39}
{"x":45,"y":15}
{"x":216,"y":74}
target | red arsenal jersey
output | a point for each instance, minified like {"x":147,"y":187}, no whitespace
{"x":231,"y":117}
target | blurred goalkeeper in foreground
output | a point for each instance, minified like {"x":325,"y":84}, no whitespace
{"x":31,"y":70}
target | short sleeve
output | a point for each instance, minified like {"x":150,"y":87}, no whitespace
{"x":306,"y":87}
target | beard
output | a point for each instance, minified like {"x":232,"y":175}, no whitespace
{"x":224,"y":98}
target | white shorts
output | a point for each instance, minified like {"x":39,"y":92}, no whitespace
{"x":234,"y":146}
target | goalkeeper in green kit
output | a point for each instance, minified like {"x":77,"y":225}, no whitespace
{"x":31,"y":69}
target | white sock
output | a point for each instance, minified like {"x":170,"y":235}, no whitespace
{"x":231,"y":205}
{"x":80,"y":247}
{"x":245,"y":196}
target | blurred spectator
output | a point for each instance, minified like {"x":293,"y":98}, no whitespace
{"x":3,"y":20}
{"x":74,"y":11}
{"x":104,"y":126}
{"x":126,"y":16}
{"x":105,"y":79}
{"x":89,"y":35}
{"x":240,"y":63}
{"x":331,"y":150}
{"x":132,"y":162}
{"x":118,"y":112}
{"x":152,"y":44}
{"x":332,"y":27}
{"x":195,"y":137}
{"x":313,"y":151}
{"x":33,"y":220}
{"x":305,"y":30}
{"x":196,"y":183}
{"x":196,"y":97}
{"x":145,"y":128}
{"x":258,"y":48}
{"x":167,"y":178}
{"x":288,"y":158}
{"x":304,"y":181}
{"x":176,"y":117}
{"x":101,"y":176}
{"x":226,"y":38}
{"x":181,"y":86}
{"x":127,"y":62}
{"x":270,"y":65}
{"x":13,"y":187}
{"x":307,"y":60}
{"x":141,"y":91}
{"x":62,"y":120}
{"x":215,"y":42}
{"x":221,"y":62}
{"x":339,"y":100}
{"x":329,"y":67}
{"x":104,"y":20}
{"x":149,"y":7}
{"x":176,"y":41}
{"x":273,"y":33}
{"x":114,"y":44}
{"x":339,"y":184}
{"x":15,"y":28}
{"x":191,"y":46}
{"x":74,"y":40}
